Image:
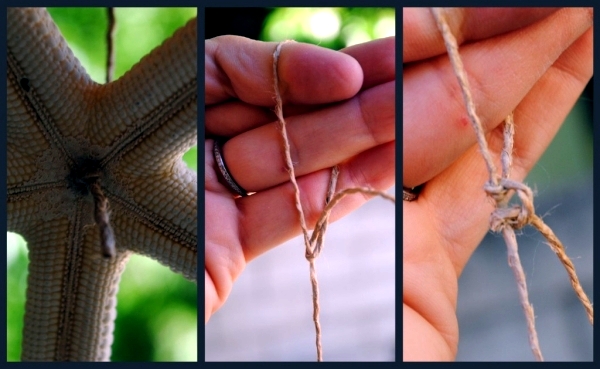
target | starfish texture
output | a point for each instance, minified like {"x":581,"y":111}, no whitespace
{"x":65,"y":133}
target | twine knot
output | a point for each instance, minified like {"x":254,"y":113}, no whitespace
{"x":312,"y":253}
{"x":516,"y":216}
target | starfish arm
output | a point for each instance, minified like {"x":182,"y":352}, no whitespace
{"x":28,"y":152}
{"x":56,"y":83}
{"x":71,"y":290}
{"x":42,"y":77}
{"x":148,"y":97}
{"x":164,"y":225}
{"x":155,"y":197}
{"x":153,"y":194}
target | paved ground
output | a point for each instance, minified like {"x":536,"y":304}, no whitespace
{"x":268,"y":316}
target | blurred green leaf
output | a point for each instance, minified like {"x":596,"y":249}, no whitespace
{"x":191,"y":158}
{"x":139,"y":30}
{"x":334,"y":28}
{"x":16,"y":281}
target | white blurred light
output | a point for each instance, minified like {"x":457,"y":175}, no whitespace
{"x":14,"y":243}
{"x":356,"y":36}
{"x":385,"y":27}
{"x":324,"y":24}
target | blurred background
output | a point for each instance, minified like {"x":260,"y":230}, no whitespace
{"x":156,"y":309}
{"x":268,"y":316}
{"x":492,"y":322}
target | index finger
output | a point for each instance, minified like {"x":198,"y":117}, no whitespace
{"x":241,"y":68}
{"x":422,"y":38}
{"x":377,"y":59}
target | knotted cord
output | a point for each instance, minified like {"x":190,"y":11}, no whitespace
{"x":506,"y":219}
{"x":313,"y":244}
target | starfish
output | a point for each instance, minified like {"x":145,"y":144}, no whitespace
{"x":67,"y":137}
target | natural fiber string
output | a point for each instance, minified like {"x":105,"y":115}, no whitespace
{"x":507,"y":219}
{"x":102,"y":218}
{"x":101,"y":205}
{"x":314,"y":244}
{"x":110,"y":44}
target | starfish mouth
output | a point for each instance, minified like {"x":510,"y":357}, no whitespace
{"x":84,"y":172}
{"x":84,"y":179}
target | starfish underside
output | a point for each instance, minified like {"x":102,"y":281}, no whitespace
{"x":62,"y":130}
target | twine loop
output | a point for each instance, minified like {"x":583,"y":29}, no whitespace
{"x":496,"y":191}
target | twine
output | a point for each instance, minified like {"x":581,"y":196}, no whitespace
{"x":506,"y":219}
{"x":102,"y":218}
{"x":110,"y":44}
{"x":313,"y":244}
{"x":101,"y":206}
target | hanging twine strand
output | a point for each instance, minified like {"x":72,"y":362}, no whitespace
{"x":101,"y":204}
{"x":313,"y":244}
{"x":506,"y":219}
{"x":459,"y":70}
{"x":110,"y":35}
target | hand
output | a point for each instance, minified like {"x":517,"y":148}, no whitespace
{"x":535,"y":62}
{"x":339,"y":109}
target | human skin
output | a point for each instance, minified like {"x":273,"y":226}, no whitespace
{"x":340,"y":109}
{"x":535,"y":62}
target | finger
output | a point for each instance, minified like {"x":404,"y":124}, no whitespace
{"x":318,"y":140}
{"x":234,"y":117}
{"x":422,"y":39}
{"x":270,"y":218}
{"x":376,"y":58}
{"x":501,"y":71}
{"x":240,"y":68}
{"x":461,"y":200}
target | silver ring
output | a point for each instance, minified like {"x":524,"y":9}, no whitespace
{"x":410,"y":194}
{"x":225,"y":177}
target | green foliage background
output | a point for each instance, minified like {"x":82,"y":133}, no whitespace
{"x":345,"y":26}
{"x":157,"y":309}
